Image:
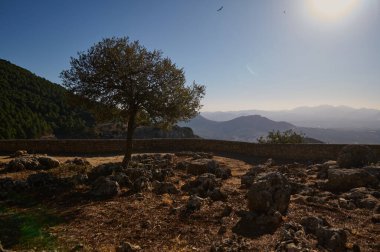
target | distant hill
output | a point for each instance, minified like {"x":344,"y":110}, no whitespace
{"x":249,"y":128}
{"x":31,"y":107}
{"x":324,"y":116}
{"x":245,"y":128}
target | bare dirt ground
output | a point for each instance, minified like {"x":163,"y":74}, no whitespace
{"x":79,"y":223}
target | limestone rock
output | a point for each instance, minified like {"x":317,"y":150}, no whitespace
{"x":141,"y":184}
{"x":200,"y":166}
{"x":248,"y":178}
{"x":270,"y":191}
{"x":78,"y":161}
{"x":121,"y":178}
{"x":201,"y":185}
{"x":253,"y":225}
{"x":340,"y":180}
{"x":47,"y":162}
{"x":103,"y":170}
{"x":217,"y":195}
{"x":333,"y":239}
{"x":105,"y":187}
{"x":164,"y":187}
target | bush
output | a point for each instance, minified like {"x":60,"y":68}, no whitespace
{"x":277,"y":137}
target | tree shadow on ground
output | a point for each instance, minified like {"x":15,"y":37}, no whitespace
{"x":26,"y":228}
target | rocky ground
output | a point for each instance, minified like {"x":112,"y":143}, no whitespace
{"x":186,"y":202}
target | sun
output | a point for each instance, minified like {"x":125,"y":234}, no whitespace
{"x":330,"y":10}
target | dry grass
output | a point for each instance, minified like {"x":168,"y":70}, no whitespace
{"x":154,"y":223}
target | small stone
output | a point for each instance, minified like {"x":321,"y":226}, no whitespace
{"x":375,"y":218}
{"x":226,"y":211}
{"x":77,"y":247}
{"x":222,"y":230}
{"x":127,"y":247}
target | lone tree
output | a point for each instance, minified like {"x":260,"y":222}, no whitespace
{"x":140,"y":86}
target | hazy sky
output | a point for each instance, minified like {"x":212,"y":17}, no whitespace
{"x":253,"y":54}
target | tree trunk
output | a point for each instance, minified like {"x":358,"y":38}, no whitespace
{"x":130,"y":131}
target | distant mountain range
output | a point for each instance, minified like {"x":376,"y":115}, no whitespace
{"x":249,"y":128}
{"x":324,"y":116}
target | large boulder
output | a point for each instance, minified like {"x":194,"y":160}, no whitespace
{"x":270,"y":191}
{"x":200,"y":166}
{"x":104,"y":170}
{"x":333,"y":239}
{"x":22,"y":163}
{"x":340,"y":180}
{"x":164,"y":187}
{"x":104,"y":187}
{"x":361,"y":197}
{"x":355,"y":156}
{"x":31,"y":162}
{"x":202,"y":185}
{"x":47,"y":163}
{"x":253,"y":225}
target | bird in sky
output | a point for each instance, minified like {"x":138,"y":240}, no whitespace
{"x":284,"y":11}
{"x":221,"y":8}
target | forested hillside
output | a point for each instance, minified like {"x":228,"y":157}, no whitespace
{"x":31,"y":107}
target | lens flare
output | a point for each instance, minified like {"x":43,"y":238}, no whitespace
{"x":331,"y":10}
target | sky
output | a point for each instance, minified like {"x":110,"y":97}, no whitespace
{"x":253,"y":54}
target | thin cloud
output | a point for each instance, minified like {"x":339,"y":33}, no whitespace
{"x":250,"y":70}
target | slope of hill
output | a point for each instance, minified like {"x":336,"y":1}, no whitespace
{"x":31,"y":107}
{"x":323,"y":116}
{"x":249,"y":128}
{"x":245,"y":128}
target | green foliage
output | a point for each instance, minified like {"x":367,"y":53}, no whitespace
{"x":127,"y":79}
{"x":31,"y":107}
{"x":140,"y":86}
{"x":286,"y":137}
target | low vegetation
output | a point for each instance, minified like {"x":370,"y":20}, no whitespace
{"x":286,"y":137}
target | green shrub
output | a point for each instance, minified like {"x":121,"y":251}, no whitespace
{"x":286,"y":137}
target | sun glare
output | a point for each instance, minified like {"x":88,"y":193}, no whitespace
{"x":331,"y":10}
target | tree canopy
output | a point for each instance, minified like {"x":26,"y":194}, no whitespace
{"x":133,"y":83}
